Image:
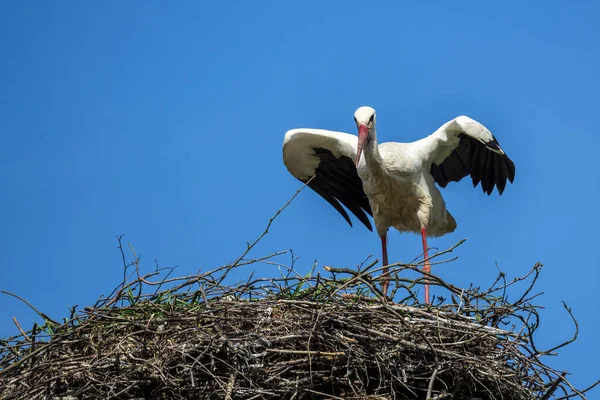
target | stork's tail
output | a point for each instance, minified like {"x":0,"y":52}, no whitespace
{"x":442,"y":227}
{"x":450,"y":223}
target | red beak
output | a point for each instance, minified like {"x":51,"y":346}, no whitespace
{"x":363,"y":133}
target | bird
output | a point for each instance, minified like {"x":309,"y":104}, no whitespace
{"x":395,"y":182}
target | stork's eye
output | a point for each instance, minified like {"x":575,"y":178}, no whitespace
{"x":371,"y":119}
{"x":355,"y":121}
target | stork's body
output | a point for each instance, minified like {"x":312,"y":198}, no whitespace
{"x":395,"y":182}
{"x":401,"y":195}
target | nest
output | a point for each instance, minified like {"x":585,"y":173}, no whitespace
{"x":327,"y":335}
{"x":318,"y":336}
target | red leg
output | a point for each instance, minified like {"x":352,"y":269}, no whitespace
{"x":385,"y":281}
{"x":427,"y":266}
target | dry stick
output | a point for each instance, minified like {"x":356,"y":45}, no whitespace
{"x":431,"y":381}
{"x":21,"y":330}
{"x":136,"y":262}
{"x":236,"y":263}
{"x":434,"y":279}
{"x":111,"y":301}
{"x":444,"y":252}
{"x":587,"y":389}
{"x":299,"y":278}
{"x":515,"y":280}
{"x":163,"y":281}
{"x":593,"y":385}
{"x":536,"y":268}
{"x":568,"y":341}
{"x":427,"y":275}
{"x":125,"y":265}
{"x":250,"y":246}
{"x":262,"y":259}
{"x":413,"y":262}
{"x":327,"y":396}
{"x":575,"y":391}
{"x":554,"y":386}
{"x":16,"y":364}
{"x":41,"y":314}
{"x":230,"y":385}
{"x":414,"y":265}
{"x":307,"y":352}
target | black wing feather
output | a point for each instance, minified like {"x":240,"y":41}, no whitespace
{"x":475,"y":165}
{"x":330,"y":199}
{"x":482,"y":170}
{"x":439,"y":175}
{"x":510,"y":166}
{"x":337,"y":181}
{"x":490,"y":175}
{"x":500,"y":174}
{"x":471,"y":157}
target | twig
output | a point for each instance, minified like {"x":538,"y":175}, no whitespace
{"x":250,"y":246}
{"x":41,"y":314}
{"x":549,"y":351}
{"x":289,"y":336}
{"x":431,"y":381}
{"x":21,"y":330}
{"x":230,"y":385}
{"x":554,"y":386}
{"x":307,"y":352}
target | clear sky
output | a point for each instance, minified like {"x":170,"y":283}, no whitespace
{"x":164,"y":121}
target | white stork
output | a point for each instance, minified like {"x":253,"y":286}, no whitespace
{"x":395,"y":182}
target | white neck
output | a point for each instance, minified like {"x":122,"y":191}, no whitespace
{"x":372,"y":156}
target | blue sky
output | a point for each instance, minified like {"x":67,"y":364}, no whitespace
{"x":164,"y":121}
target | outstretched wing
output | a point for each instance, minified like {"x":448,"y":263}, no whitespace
{"x":464,"y":147}
{"x":330,"y":156}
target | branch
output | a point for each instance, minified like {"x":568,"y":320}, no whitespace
{"x":250,"y":246}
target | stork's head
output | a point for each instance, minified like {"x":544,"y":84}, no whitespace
{"x":365,"y":122}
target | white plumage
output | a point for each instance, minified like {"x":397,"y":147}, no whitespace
{"x":395,"y":182}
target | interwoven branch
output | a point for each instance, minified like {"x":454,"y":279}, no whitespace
{"x":330,"y":334}
{"x":283,"y":337}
